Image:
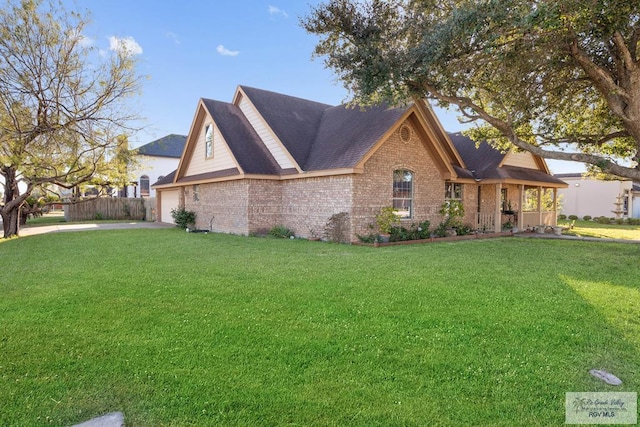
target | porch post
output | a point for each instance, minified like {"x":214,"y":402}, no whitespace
{"x":497,"y":219}
{"x":520,"y":206}
{"x":540,"y":220}
{"x":555,"y":207}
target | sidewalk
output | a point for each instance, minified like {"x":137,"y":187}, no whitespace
{"x":566,"y":237}
{"x":31,"y":231}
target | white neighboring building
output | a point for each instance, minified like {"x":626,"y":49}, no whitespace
{"x":594,"y":197}
{"x":157,"y":159}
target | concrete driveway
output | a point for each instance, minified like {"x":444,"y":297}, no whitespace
{"x":89,"y":226}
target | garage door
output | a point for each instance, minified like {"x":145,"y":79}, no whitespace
{"x":168,"y":201}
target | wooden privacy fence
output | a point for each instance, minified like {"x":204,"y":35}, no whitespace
{"x":115,"y":208}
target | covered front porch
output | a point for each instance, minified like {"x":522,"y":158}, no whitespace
{"x":517,"y":207}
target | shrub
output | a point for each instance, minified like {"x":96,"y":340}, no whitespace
{"x":573,"y":217}
{"x":369,"y":238}
{"x":463,"y":230}
{"x":633,"y":221}
{"x":281,"y":232}
{"x":562,"y":216}
{"x":603,"y":220}
{"x":619,"y":221}
{"x":183,"y":218}
{"x":414,"y":232}
{"x":587,"y":217}
{"x":386,"y":218}
{"x":337,"y":228}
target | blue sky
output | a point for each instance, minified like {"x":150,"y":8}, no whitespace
{"x":194,"y":49}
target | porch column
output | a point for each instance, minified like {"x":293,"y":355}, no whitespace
{"x":554,"y":221}
{"x":520,"y":206}
{"x":540,"y":220}
{"x":497,"y":218}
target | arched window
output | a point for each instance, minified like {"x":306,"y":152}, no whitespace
{"x":208,"y":139}
{"x":144,"y":186}
{"x":403,"y":193}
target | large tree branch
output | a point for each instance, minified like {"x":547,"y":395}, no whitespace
{"x":505,"y":129}
{"x":627,"y":58}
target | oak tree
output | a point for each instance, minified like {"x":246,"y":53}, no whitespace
{"x":558,"y":78}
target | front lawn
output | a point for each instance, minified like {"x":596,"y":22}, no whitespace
{"x":175,"y":328}
{"x":594,"y":229}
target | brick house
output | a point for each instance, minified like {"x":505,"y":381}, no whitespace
{"x":269,"y":159}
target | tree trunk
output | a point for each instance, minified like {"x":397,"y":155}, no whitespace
{"x":10,"y":222}
{"x":13,"y":200}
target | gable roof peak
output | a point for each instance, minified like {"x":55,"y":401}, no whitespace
{"x":253,"y":92}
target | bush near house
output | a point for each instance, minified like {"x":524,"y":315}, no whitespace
{"x":182,"y":217}
{"x":281,"y":232}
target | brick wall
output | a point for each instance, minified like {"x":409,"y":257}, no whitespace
{"x":374,"y":189}
{"x":221,"y":205}
{"x":307,"y":204}
{"x":264,"y":208}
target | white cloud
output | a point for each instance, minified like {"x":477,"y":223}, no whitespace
{"x":173,"y":36}
{"x":226,"y":52}
{"x":125,"y":45}
{"x":85,"y":41}
{"x":274,"y":10}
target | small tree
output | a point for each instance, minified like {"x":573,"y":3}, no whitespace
{"x":386,"y":219}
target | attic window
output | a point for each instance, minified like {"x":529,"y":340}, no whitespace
{"x":208,"y":141}
{"x":405,"y":134}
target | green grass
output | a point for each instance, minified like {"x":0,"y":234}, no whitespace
{"x":594,"y":229}
{"x":51,"y":218}
{"x":181,"y":329}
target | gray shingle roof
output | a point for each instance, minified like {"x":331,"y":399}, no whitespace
{"x":346,"y":135}
{"x":294,"y":120}
{"x":324,"y":137}
{"x":243,"y":141}
{"x":167,"y":179}
{"x":320,"y":136}
{"x":167,"y":146}
{"x":484,"y":161}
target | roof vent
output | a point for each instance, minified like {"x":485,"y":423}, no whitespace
{"x":405,"y":134}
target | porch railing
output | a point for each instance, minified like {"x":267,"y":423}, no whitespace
{"x":531,"y":219}
{"x":485,"y":221}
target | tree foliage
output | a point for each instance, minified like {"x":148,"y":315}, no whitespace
{"x":63,"y":115}
{"x":558,"y":78}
